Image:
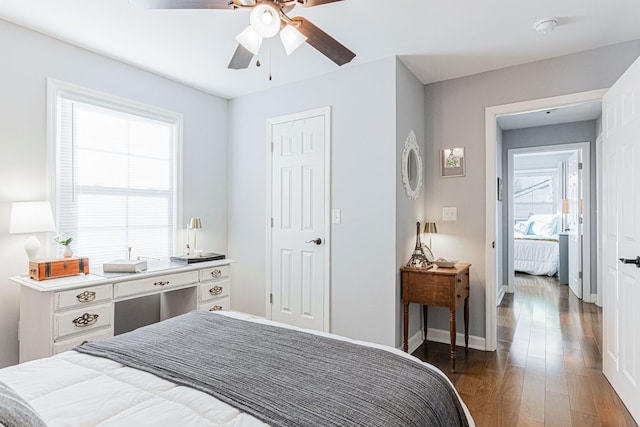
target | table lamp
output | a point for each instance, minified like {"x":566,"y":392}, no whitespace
{"x":195,"y":223}
{"x":31,"y":218}
{"x":430,"y":228}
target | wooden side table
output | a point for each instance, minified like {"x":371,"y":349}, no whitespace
{"x":442,"y":287}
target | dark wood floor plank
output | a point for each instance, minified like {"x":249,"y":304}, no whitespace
{"x":547,"y":370}
{"x":557,"y":410}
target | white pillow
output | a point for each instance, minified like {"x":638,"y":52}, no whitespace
{"x":543,"y":224}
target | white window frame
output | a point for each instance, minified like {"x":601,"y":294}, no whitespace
{"x":57,"y":88}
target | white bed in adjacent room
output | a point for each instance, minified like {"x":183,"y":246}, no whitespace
{"x":535,"y":246}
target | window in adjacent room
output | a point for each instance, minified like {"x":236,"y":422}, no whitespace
{"x":115,"y":174}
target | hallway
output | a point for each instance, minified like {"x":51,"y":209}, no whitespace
{"x":547,"y":370}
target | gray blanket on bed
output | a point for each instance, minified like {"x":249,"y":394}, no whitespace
{"x":286,"y":377}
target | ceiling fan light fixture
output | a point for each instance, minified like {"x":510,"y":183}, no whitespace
{"x":291,"y":39}
{"x":265,"y":20}
{"x":250,"y":40}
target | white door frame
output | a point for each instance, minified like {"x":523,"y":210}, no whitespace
{"x":491,"y":116}
{"x":586,"y":190}
{"x":326,"y":112}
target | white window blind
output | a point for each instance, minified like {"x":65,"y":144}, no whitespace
{"x":115,"y":178}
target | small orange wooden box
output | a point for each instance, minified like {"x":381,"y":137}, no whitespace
{"x":41,"y":269}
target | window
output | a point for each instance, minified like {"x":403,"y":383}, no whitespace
{"x":534,"y":193}
{"x":115,"y":174}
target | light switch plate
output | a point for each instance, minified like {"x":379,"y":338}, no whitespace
{"x":449,"y":213}
{"x":336,"y":216}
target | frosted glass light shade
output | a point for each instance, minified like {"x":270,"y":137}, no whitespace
{"x":291,"y":39}
{"x":265,"y":20}
{"x":250,"y":40}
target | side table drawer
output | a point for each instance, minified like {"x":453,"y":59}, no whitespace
{"x":70,"y":343}
{"x":216,"y":305}
{"x":214,"y":273}
{"x":216,"y":289}
{"x":82,"y":296}
{"x":82,"y":320}
{"x":153,"y":284}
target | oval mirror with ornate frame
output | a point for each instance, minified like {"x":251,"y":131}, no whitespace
{"x":411,"y":167}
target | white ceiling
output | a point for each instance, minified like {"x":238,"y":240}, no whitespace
{"x":573,"y":113}
{"x":437,"y":40}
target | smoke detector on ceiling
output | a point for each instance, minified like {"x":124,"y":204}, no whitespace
{"x":545,"y":25}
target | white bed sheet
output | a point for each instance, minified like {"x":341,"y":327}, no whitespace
{"x":74,"y":389}
{"x":536,"y":255}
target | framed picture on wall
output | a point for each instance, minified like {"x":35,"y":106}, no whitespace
{"x":452,"y":162}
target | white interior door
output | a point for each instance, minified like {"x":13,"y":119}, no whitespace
{"x":621,"y":233}
{"x":299,"y":212}
{"x":573,"y":224}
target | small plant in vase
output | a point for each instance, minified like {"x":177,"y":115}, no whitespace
{"x":66,"y":242}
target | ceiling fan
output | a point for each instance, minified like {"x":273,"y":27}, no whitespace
{"x":268,"y":18}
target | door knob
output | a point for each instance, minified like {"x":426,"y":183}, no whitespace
{"x":317,"y":241}
{"x":631,"y":261}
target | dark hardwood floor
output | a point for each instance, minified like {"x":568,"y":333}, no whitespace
{"x":547,"y":370}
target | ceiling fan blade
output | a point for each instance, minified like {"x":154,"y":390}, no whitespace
{"x":323,"y":42}
{"x":183,"y":4}
{"x":241,"y":58}
{"x":311,"y":3}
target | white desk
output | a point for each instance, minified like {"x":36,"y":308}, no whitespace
{"x":59,"y":314}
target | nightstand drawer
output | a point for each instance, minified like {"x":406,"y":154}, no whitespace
{"x":216,"y":289}
{"x":82,"y":320}
{"x":153,"y":284}
{"x":82,"y":296}
{"x":222,"y":304}
{"x":214,"y":273}
{"x":70,"y":343}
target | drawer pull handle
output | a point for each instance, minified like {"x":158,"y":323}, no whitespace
{"x":459,"y":296}
{"x":216,"y":273}
{"x":459,"y":280}
{"x":85,"y":320}
{"x":86,"y":296}
{"x":161,"y":283}
{"x":216,"y":290}
{"x":216,"y":308}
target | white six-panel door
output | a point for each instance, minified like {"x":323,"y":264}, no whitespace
{"x":299,"y":231}
{"x":621,"y":237}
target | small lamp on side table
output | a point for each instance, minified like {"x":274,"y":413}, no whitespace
{"x":31,"y":218}
{"x":430,"y":228}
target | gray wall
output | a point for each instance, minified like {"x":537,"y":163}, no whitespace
{"x":28,"y":58}
{"x":455,"y":115}
{"x":540,"y":136}
{"x":409,"y":116}
{"x":363,"y":186}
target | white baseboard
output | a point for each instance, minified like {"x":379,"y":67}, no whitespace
{"x":442,"y":336}
{"x":501,"y":292}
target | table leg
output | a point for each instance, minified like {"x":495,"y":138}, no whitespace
{"x":466,"y":323}
{"x":452,"y":337}
{"x":424,"y":314}
{"x":405,"y":346}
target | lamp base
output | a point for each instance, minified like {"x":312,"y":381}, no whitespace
{"x":32,"y":247}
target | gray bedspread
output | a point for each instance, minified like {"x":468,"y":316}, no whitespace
{"x":287,"y":377}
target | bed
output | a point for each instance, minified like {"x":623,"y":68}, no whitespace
{"x":229,"y":369}
{"x":535,"y":246}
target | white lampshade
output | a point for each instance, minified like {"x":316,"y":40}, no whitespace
{"x":250,"y":40}
{"x":31,"y":217}
{"x":291,"y":39}
{"x":265,"y":20}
